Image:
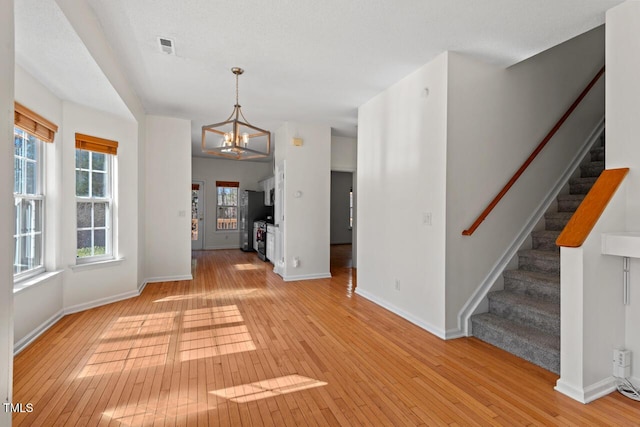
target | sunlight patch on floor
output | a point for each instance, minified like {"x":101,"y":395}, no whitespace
{"x":246,"y":266}
{"x":208,"y":295}
{"x":143,"y":341}
{"x":208,"y":338}
{"x":169,"y":408}
{"x":268,"y":388}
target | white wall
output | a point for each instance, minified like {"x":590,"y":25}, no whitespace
{"x":623,"y":133}
{"x":6,"y":209}
{"x":168,"y":199}
{"x":496,"y":118}
{"x":401,"y":176}
{"x":306,"y":224}
{"x":344,"y":154}
{"x":247,"y":173}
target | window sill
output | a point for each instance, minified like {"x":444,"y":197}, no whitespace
{"x":34,"y":281}
{"x":97,"y":264}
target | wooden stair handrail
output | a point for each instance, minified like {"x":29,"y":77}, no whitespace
{"x":532,"y":156}
{"x":585,"y":217}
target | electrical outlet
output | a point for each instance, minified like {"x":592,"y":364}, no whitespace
{"x":621,"y":363}
{"x":397,"y":284}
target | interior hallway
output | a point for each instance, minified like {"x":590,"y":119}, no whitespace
{"x":238,"y":346}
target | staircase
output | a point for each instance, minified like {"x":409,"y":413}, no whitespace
{"x":524,"y":318}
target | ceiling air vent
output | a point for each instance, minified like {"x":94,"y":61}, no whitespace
{"x":167,"y":45}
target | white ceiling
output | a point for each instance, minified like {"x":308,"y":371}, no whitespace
{"x":305,"y":61}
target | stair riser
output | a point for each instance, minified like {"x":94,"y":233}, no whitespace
{"x":519,"y":346}
{"x":579,"y":187}
{"x":597,"y":155}
{"x":568,"y":205}
{"x":543,"y":291}
{"x":545,"y":243}
{"x":591,"y":170}
{"x":533,"y":263}
{"x":555,"y":224}
{"x":525,"y":316}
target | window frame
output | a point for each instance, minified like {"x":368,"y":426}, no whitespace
{"x":227,"y":185}
{"x":38,"y":196}
{"x":108,"y":199}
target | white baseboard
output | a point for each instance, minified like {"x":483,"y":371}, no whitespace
{"x":217,"y":247}
{"x":440,"y":333}
{"x":167,"y":279}
{"x":587,"y":394}
{"x":24,"y":342}
{"x":454,"y":333}
{"x":306,"y":277}
{"x":100,"y":302}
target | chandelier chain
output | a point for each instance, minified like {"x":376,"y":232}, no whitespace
{"x":237,"y":89}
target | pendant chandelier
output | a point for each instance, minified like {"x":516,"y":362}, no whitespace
{"x":234,"y":138}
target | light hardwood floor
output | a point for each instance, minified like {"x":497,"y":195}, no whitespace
{"x":238,"y":346}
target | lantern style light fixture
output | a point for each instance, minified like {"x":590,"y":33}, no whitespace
{"x":234,"y":138}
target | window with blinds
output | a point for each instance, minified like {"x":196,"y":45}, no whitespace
{"x":94,"y":198}
{"x":227,"y":205}
{"x":30,"y":133}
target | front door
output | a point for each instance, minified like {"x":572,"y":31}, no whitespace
{"x":197,"y":215}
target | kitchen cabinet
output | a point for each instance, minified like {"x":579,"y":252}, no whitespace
{"x":271,"y":242}
{"x":268,"y":186}
{"x":255,"y":236}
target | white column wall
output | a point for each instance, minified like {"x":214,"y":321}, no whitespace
{"x":591,"y":311}
{"x":402,"y":137}
{"x":307,"y":199}
{"x":81,"y":17}
{"x":623,"y":134}
{"x":168,"y":199}
{"x":209,"y":171}
{"x":7,"y":53}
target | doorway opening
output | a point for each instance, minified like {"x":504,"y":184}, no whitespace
{"x":197,"y":215}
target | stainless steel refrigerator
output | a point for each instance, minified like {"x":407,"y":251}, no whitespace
{"x":250,"y":208}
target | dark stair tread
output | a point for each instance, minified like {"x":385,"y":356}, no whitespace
{"x":570,"y":197}
{"x":536,"y":253}
{"x":558,"y":215}
{"x":532,"y":304}
{"x":533,"y":276}
{"x":587,"y":180}
{"x":531,"y":344}
{"x":593,"y":163}
{"x":544,"y":341}
{"x":549,"y":234}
